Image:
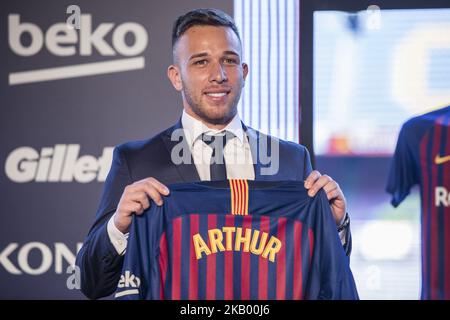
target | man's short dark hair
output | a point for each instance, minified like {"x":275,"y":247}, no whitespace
{"x":202,"y":17}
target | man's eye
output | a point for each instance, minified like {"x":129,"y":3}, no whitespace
{"x":200,"y":62}
{"x":230,"y":61}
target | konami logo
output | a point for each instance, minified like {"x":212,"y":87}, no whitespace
{"x":15,"y":258}
{"x":61,"y":40}
{"x":59,"y":164}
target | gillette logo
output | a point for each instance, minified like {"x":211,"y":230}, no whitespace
{"x":59,"y":164}
{"x":62,"y":41}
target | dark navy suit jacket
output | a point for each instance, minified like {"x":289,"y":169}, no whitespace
{"x":100,"y":264}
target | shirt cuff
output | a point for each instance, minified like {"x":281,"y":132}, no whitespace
{"x":343,"y":228}
{"x":343,"y":236}
{"x":118,"y":239}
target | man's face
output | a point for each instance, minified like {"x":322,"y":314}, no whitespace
{"x":209,"y":73}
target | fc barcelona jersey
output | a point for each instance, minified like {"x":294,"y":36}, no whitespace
{"x":236,"y":240}
{"x":422,"y":157}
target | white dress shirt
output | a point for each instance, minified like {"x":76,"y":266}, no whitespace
{"x":237,"y":154}
{"x":238,"y":161}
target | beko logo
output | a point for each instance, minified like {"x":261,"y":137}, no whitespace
{"x":62,"y":41}
{"x":57,"y":164}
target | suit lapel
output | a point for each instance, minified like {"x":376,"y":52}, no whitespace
{"x":187,"y":171}
{"x":253,"y":138}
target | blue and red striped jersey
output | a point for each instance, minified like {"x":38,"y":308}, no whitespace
{"x":422,"y":157}
{"x":243,"y":240}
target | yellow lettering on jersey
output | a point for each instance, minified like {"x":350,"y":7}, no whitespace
{"x":215,"y":240}
{"x":253,"y":241}
{"x":240,"y":239}
{"x":228,"y":240}
{"x":262,"y":242}
{"x":272,"y":248}
{"x":200,"y":246}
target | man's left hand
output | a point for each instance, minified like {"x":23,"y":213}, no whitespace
{"x":316,"y":181}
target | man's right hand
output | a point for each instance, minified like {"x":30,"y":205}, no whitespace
{"x":135,"y":199}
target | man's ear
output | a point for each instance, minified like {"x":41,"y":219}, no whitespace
{"x":244,"y":71}
{"x":175,"y":77}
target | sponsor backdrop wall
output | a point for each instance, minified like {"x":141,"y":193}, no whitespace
{"x":67,"y":97}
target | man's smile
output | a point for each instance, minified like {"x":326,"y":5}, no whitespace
{"x":217,"y":94}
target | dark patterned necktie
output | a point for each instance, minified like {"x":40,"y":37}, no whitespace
{"x":217,"y":168}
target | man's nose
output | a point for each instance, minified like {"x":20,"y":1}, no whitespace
{"x":218,"y":73}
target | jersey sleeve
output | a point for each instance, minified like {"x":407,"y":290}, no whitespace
{"x":307,"y":164}
{"x":402,"y":174}
{"x":331,"y":277}
{"x":134,"y":279}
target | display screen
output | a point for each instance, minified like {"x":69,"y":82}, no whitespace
{"x":373,"y":70}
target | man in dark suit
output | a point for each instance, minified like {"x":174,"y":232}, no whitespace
{"x":209,"y":74}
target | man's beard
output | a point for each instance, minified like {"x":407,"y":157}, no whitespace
{"x":200,"y":111}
